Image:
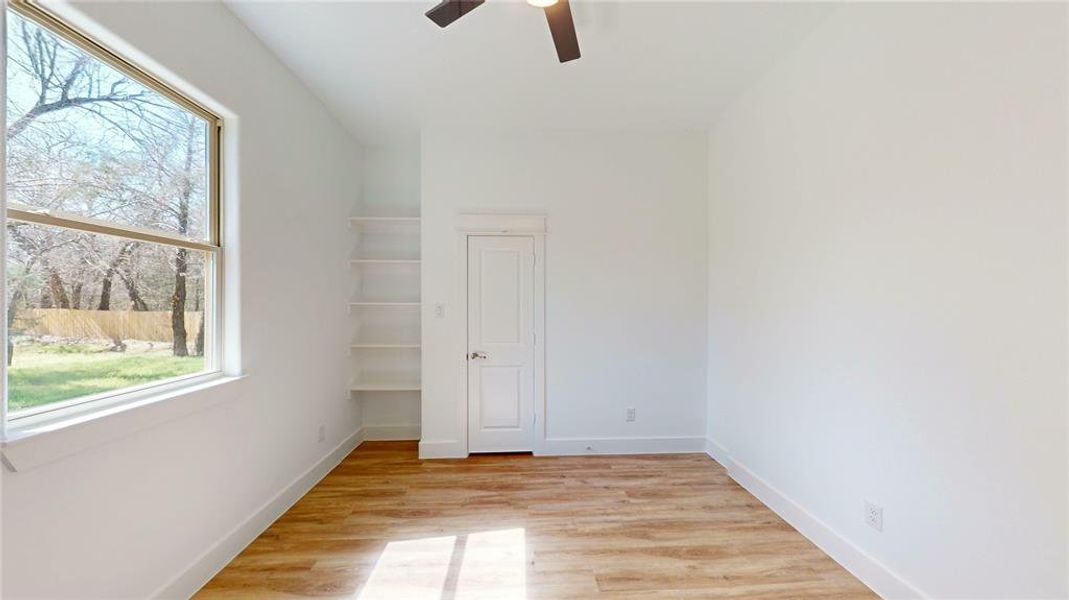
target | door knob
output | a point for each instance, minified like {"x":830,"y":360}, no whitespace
{"x":475,"y":355}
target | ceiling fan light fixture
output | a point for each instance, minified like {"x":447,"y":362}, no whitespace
{"x":558,"y":16}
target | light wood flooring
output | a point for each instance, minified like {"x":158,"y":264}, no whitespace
{"x":385,"y":525}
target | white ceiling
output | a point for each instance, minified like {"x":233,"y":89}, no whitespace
{"x":386,"y":70}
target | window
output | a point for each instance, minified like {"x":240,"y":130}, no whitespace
{"x":113,"y":255}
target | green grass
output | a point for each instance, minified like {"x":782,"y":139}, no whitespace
{"x":46,"y":373}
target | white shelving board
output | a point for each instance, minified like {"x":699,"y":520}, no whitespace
{"x":384,"y":304}
{"x":385,"y":261}
{"x":373,"y":386}
{"x":385,"y":219}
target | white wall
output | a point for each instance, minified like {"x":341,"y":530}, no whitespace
{"x":887,"y":315}
{"x":121,"y":520}
{"x":391,"y":179}
{"x":625,"y":277}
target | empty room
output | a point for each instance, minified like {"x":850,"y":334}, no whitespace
{"x":534,"y":300}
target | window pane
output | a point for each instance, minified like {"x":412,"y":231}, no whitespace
{"x":91,"y":313}
{"x":84,"y":138}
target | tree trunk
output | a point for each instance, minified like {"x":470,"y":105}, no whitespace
{"x":199,"y":347}
{"x":113,"y":267}
{"x":181,"y":259}
{"x":57,"y":290}
{"x":178,"y":303}
{"x":105,"y":291}
{"x":12,"y":310}
{"x":76,"y":296}
{"x":18,"y":296}
{"x":137,"y":303}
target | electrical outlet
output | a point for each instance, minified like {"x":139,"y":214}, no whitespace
{"x":322,"y":433}
{"x":874,"y":516}
{"x":439,"y":310}
{"x":630,"y":415}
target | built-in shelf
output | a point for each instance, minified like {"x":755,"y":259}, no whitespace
{"x":384,"y":219}
{"x":386,"y":300}
{"x":385,"y":386}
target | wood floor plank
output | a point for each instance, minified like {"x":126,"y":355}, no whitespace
{"x":386,"y":525}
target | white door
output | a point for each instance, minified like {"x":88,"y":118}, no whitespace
{"x":500,"y":343}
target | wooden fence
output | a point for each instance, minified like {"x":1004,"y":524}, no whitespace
{"x":149,"y":326}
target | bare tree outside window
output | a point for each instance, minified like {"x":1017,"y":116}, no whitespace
{"x":91,"y":311}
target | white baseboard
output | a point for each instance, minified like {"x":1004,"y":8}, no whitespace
{"x":719,"y":453}
{"x":390,"y":433}
{"x":442,"y":449}
{"x":212,"y":560}
{"x":871,"y":572}
{"x":665,"y":445}
{"x":578,"y":446}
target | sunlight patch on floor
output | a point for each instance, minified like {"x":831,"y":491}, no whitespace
{"x":494,"y":566}
{"x":489,"y":565}
{"x":411,"y":570}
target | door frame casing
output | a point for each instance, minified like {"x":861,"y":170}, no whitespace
{"x":504,"y":225}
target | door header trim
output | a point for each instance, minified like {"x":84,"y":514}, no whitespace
{"x":501,"y":223}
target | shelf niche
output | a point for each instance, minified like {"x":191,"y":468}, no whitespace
{"x":384,"y":304}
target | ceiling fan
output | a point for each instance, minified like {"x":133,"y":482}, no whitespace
{"x":558,"y":14}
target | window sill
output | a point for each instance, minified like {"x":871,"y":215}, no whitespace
{"x":40,"y":439}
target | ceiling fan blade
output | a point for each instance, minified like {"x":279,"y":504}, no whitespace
{"x":450,"y":10}
{"x":562,"y":27}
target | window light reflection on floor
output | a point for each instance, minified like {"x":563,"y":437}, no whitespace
{"x":488,"y":565}
{"x":494,"y":566}
{"x":410,"y":570}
